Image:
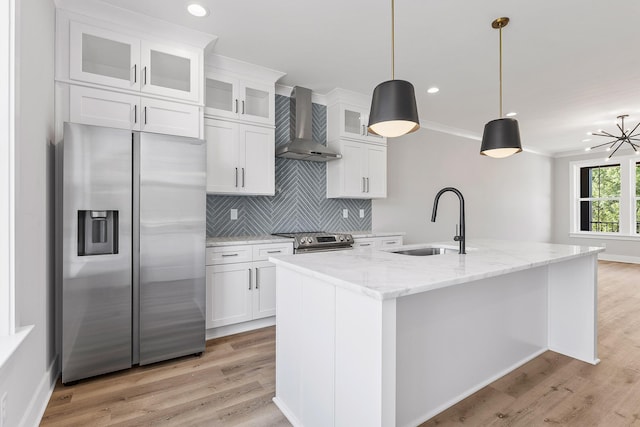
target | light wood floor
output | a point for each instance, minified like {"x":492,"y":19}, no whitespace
{"x":233,"y":382}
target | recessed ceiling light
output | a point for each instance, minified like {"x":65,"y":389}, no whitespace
{"x":589,"y":133}
{"x":433,"y":90}
{"x":197,"y":10}
{"x":586,"y":140}
{"x":511,"y":114}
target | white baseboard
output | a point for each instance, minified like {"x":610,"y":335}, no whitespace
{"x":223,"y":331}
{"x":40,"y":400}
{"x":619,"y":258}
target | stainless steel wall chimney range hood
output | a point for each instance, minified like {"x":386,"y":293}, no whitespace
{"x":302,"y":146}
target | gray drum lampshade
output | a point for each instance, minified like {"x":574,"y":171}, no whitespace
{"x":393,"y":109}
{"x":501,"y":138}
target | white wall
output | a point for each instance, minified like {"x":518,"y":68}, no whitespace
{"x":617,"y":250}
{"x":28,"y":375}
{"x":505,"y":198}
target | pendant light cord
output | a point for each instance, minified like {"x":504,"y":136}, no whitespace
{"x":500,"y":71}
{"x":393,"y":41}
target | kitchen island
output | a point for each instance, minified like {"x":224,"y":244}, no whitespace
{"x":375,"y":338}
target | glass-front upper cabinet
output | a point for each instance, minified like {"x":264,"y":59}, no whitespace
{"x":170,"y":71}
{"x":235,"y":98}
{"x":103,"y":57}
{"x":354,"y":124}
{"x":118,"y":60}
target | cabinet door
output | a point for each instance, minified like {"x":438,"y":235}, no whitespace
{"x":223,"y":170}
{"x":170,"y":71}
{"x":170,"y":118}
{"x":376,"y":182}
{"x":257,"y":149}
{"x":353,"y":164}
{"x":257,"y":102}
{"x":103,"y":57}
{"x":221,"y":96}
{"x":229,"y":294}
{"x":264,"y":293}
{"x":104,"y":108}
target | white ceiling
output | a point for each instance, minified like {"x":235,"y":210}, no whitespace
{"x":570,"y":66}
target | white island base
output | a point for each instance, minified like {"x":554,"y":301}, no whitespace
{"x":352,"y":353}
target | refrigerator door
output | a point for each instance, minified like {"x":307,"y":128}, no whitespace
{"x":96,"y":251}
{"x":172,"y":204}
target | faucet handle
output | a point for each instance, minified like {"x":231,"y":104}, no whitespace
{"x":457,"y":237}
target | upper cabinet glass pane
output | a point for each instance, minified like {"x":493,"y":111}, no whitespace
{"x":352,"y":122}
{"x":106,"y":57}
{"x":170,"y":71}
{"x":256,"y":102}
{"x":219,"y":95}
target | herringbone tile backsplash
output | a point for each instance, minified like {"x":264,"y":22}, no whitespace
{"x":300,"y":202}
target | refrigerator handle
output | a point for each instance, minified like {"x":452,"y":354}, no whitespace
{"x":135,"y":114}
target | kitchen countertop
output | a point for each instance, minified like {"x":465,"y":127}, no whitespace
{"x":362,"y":234}
{"x":246,"y":240}
{"x":385,"y":275}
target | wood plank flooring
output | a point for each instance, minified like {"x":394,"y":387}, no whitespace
{"x":233,"y":382}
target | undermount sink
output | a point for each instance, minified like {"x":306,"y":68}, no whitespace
{"x":426,"y":251}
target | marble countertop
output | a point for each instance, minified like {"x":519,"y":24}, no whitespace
{"x":361,"y":234}
{"x":246,"y":240}
{"x":382,"y":274}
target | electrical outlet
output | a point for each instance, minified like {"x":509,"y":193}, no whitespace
{"x":3,"y":410}
{"x":361,"y":213}
{"x":345,"y":213}
{"x":234,"y":214}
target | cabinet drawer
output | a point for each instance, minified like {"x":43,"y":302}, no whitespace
{"x":391,"y":242}
{"x":228,"y":254}
{"x":365,"y":243}
{"x":263,"y":252}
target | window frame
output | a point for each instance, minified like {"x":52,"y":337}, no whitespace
{"x":627,"y":199}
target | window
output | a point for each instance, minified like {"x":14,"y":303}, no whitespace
{"x":606,"y":197}
{"x":600,"y":198}
{"x":638,"y":198}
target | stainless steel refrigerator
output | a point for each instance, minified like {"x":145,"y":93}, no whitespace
{"x":132,"y":261}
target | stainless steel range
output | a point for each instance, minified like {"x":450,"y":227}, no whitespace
{"x":319,"y":241}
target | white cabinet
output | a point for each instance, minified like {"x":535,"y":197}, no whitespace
{"x":104,"y":57}
{"x":350,"y":121}
{"x":120,"y":110}
{"x":241,"y":283}
{"x":229,"y":294}
{"x":230,"y":97}
{"x":240,"y":158}
{"x":360,"y":173}
{"x":378,"y":242}
{"x":348,"y":117}
{"x":111,"y":58}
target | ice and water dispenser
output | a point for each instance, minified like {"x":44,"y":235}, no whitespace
{"x":97,"y":232}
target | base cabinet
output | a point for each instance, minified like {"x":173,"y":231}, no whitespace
{"x":241,"y":283}
{"x":381,"y":242}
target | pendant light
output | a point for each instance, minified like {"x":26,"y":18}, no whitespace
{"x":501,"y":137}
{"x":393,"y":106}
